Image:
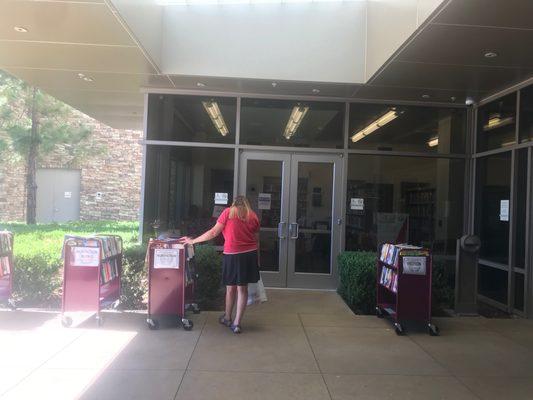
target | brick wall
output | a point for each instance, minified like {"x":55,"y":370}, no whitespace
{"x":114,"y":172}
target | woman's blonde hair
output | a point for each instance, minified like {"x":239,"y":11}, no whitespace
{"x":240,"y":208}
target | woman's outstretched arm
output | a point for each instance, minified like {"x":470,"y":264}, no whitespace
{"x":204,"y":237}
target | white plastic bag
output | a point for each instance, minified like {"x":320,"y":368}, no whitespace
{"x":256,"y":293}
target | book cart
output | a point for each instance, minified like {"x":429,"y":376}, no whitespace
{"x":6,"y":269}
{"x":171,"y":282}
{"x":403,"y":286}
{"x":91,"y":275}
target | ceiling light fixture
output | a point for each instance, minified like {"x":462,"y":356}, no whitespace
{"x":20,"y":29}
{"x":200,"y":84}
{"x":426,"y":96}
{"x":491,"y":54}
{"x":316,"y":91}
{"x":381,"y":121}
{"x":496,"y":121}
{"x":274,"y":84}
{"x":88,"y":79}
{"x":297,"y":115}
{"x":81,"y":76}
{"x":433,"y":142}
{"x":212,"y":109}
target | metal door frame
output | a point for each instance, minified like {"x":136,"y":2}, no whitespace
{"x":307,"y":279}
{"x":286,"y":275}
{"x":271,"y":278}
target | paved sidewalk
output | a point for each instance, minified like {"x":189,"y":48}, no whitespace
{"x":299,"y":345}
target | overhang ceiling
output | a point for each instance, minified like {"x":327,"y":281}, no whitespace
{"x":444,"y":58}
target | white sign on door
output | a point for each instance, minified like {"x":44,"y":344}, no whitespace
{"x":68,"y":195}
{"x":167,"y":258}
{"x":264,"y":201}
{"x":221,"y":198}
{"x":86,"y":256}
{"x":357,"y":204}
{"x":504,"y":210}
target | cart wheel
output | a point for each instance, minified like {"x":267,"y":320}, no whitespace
{"x":398,"y":329}
{"x":66,"y":321}
{"x":116,"y":304}
{"x":187,"y":324}
{"x":152,"y":324}
{"x":195,"y":308}
{"x":379,"y":312}
{"x":11,"y":304}
{"x":433,"y":330}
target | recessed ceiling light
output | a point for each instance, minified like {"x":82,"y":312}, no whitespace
{"x":426,"y":96}
{"x":453,"y":98}
{"x":491,"y":54}
{"x":20,"y":29}
{"x":200,"y":84}
{"x":88,"y":79}
{"x":81,"y":76}
{"x":315,"y":91}
{"x":274,"y":84}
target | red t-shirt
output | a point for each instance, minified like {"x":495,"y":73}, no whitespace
{"x":239,"y":236}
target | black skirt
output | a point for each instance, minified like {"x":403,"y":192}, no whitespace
{"x":240,"y":269}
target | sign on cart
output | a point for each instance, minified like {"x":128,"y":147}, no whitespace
{"x":167,"y":258}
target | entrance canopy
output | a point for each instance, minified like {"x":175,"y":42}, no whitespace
{"x":98,"y":55}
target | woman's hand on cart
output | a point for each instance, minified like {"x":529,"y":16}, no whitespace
{"x":186,"y":240}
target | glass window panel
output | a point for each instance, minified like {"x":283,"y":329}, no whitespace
{"x":492,"y":283}
{"x":407,"y":128}
{"x":496,"y":124}
{"x":519,"y":291}
{"x":526,"y":114}
{"x":521,"y":206}
{"x":191,"y":118}
{"x":404,"y":199}
{"x":292,"y":123}
{"x":313,"y":215}
{"x":493,"y":175}
{"x":180,"y":188}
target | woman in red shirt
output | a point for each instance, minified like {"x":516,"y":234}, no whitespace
{"x":240,"y":227}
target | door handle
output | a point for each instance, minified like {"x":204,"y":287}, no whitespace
{"x":281,"y":229}
{"x":292,"y":228}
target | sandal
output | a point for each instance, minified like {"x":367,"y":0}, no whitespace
{"x":235,"y":329}
{"x":224,"y":321}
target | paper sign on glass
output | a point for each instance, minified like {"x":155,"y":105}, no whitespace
{"x":221,"y":198}
{"x":167,"y":258}
{"x":504,"y":210}
{"x":357,"y":204}
{"x":414,"y":265}
{"x":86,"y":256}
{"x":68,"y":195}
{"x":264,"y":201}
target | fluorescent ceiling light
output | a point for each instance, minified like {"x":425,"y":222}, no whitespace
{"x":211,"y":107}
{"x":496,"y":121}
{"x":381,"y":121}
{"x":433,"y":142}
{"x":297,"y":115}
{"x":20,"y":29}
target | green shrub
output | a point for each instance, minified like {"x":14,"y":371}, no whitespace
{"x":134,"y":283}
{"x":357,"y":286}
{"x":443,"y":284}
{"x":37,"y":281}
{"x":208,"y":263}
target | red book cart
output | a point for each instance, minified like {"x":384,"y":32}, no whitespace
{"x":404,"y":286}
{"x":6,"y":269}
{"x":91,"y":275}
{"x":171,"y":282}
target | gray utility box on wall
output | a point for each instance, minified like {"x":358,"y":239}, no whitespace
{"x":466,"y":274}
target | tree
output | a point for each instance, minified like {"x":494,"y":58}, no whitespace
{"x":34,"y":125}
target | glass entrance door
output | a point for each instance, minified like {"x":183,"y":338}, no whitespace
{"x":297,"y":202}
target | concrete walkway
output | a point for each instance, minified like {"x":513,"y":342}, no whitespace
{"x":299,"y":345}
